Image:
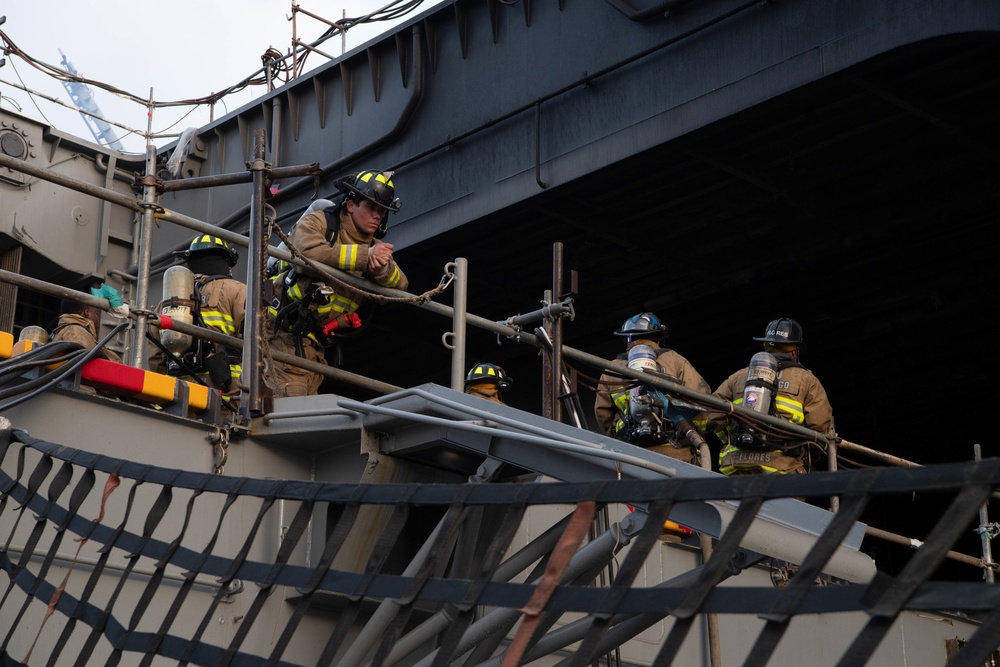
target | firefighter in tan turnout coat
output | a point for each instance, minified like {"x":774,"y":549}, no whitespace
{"x":305,"y":311}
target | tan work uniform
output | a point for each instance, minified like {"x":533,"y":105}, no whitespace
{"x":348,"y":252}
{"x":673,"y":364}
{"x":800,"y":399}
{"x":78,"y":329}
{"x":223,"y":309}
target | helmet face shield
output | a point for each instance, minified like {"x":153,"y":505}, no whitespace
{"x":643,"y":325}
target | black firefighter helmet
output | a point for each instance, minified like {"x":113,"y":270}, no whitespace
{"x":376,"y":187}
{"x":485,"y":372}
{"x":205,"y":244}
{"x":783,"y":330}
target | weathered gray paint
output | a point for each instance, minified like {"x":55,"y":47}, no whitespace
{"x":762,"y":51}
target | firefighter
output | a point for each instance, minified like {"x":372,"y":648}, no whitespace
{"x":798,"y":397}
{"x":612,"y":406}
{"x":487,"y":381}
{"x":218,"y":302}
{"x":80,"y":323}
{"x":305,"y":311}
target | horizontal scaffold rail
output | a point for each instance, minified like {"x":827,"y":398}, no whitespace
{"x":499,"y":328}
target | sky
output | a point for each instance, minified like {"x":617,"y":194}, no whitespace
{"x":179,"y":50}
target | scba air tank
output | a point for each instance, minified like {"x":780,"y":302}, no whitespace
{"x":178,"y":289}
{"x":642,"y":358}
{"x":645,"y":421}
{"x":762,"y":382}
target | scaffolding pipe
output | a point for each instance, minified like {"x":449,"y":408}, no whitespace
{"x":712,"y":620}
{"x":557,"y":332}
{"x":916,"y":544}
{"x":693,"y":395}
{"x":549,"y":387}
{"x":459,"y":317}
{"x":546,"y":311}
{"x":253,"y":323}
{"x":673,"y":388}
{"x":54,"y":290}
{"x":874,"y":453}
{"x":113,"y":196}
{"x":130,"y":202}
{"x":240,"y":177}
{"x":125,"y":201}
{"x":201,"y":332}
{"x":313,"y":366}
{"x":985,"y":532}
{"x":142,"y":262}
{"x":439,"y":622}
{"x":600,"y":551}
{"x":888,"y":458}
{"x":388,"y":608}
{"x":276,"y":108}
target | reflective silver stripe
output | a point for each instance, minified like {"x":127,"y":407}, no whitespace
{"x":790,"y":409}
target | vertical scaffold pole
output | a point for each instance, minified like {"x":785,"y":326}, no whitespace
{"x":459,"y":324}
{"x":253,"y":325}
{"x":711,"y":620}
{"x":985,"y":532}
{"x":557,"y":332}
{"x":145,"y":255}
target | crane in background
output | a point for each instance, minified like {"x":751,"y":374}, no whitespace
{"x":83,"y":98}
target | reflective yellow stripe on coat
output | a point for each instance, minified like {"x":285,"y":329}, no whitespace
{"x":790,"y":409}
{"x":219,"y":321}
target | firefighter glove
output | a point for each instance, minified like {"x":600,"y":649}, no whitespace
{"x":119,"y":308}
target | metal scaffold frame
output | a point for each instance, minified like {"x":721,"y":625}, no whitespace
{"x":557,"y":306}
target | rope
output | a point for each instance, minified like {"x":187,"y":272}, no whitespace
{"x":446,"y":279}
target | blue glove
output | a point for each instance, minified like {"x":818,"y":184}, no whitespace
{"x":118,"y":307}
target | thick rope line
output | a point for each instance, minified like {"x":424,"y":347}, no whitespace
{"x":373,"y":296}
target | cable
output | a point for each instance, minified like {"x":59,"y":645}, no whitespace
{"x":24,"y":386}
{"x":11,"y":101}
{"x":390,"y":12}
{"x":14,"y":368}
{"x":51,"y":379}
{"x":30,"y":96}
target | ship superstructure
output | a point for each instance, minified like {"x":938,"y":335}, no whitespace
{"x":393,"y":519}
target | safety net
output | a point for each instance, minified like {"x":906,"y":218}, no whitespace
{"x":109,"y":561}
